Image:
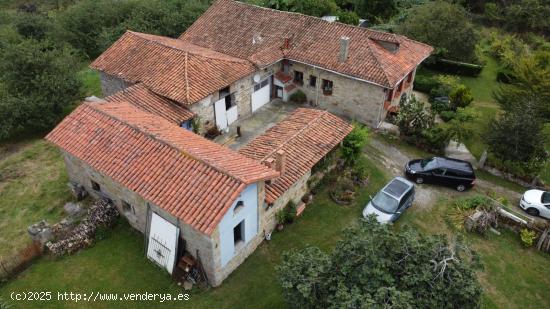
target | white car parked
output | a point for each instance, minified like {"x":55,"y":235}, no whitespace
{"x":536,"y":203}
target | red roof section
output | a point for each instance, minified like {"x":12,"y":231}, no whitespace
{"x":258,"y":34}
{"x":190,"y":177}
{"x":180,"y":71}
{"x":144,"y":99}
{"x":306,"y":136}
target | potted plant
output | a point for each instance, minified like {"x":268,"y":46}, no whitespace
{"x":281,"y":219}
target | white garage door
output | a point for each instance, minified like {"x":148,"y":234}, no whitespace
{"x":163,"y":242}
{"x":261,"y":94}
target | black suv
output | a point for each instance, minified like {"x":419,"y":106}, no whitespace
{"x":444,"y":171}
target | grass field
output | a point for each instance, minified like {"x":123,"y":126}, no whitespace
{"x":513,"y":276}
{"x":117,"y":264}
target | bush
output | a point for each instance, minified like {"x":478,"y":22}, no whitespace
{"x":440,"y":103}
{"x":527,"y":237}
{"x":348,"y":17}
{"x":455,"y":67}
{"x":299,"y":96}
{"x":413,"y":117}
{"x":475,"y":202}
{"x":424,"y":83}
{"x":353,"y":144}
{"x":291,"y":212}
{"x":447,"y":115}
{"x":461,"y":96}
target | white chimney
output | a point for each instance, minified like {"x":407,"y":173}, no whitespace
{"x":344,"y":49}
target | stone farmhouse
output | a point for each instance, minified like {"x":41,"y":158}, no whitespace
{"x":191,"y":196}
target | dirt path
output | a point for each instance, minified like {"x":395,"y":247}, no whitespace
{"x":394,"y":160}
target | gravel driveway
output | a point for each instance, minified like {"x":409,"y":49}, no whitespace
{"x":394,"y":160}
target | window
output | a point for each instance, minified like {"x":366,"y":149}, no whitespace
{"x":224,"y":92}
{"x":261,"y":84}
{"x":238,"y":233}
{"x":390,"y":95}
{"x":299,"y":77}
{"x":400,"y":87}
{"x":312,"y":81}
{"x":96,"y":186}
{"x":127,"y":208}
{"x":439,"y":171}
{"x":238,"y":207}
{"x":327,"y":87}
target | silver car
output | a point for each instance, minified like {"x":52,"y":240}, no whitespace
{"x":390,"y":202}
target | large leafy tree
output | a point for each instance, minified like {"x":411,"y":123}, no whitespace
{"x":37,"y":83}
{"x":376,"y":11}
{"x":445,"y":26}
{"x":376,"y":267}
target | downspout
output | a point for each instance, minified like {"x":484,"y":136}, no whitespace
{"x":317,"y":86}
{"x":380,"y":111}
{"x":146,"y":234}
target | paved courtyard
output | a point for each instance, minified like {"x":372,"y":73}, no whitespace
{"x":257,"y":123}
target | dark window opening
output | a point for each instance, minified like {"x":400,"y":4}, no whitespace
{"x":400,"y":87}
{"x":230,"y":101}
{"x":238,"y":232}
{"x":224,"y":92}
{"x":410,"y":77}
{"x":327,"y":87}
{"x":312,"y":81}
{"x":390,"y":95}
{"x":238,"y":207}
{"x":299,"y":77}
{"x":96,"y":186}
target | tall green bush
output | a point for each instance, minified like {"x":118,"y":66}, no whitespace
{"x":352,"y":146}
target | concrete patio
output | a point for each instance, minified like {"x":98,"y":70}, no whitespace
{"x":256,"y":124}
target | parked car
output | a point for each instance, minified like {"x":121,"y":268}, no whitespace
{"x":536,"y":203}
{"x":390,"y":202}
{"x":449,"y":172}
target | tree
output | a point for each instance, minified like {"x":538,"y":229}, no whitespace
{"x":376,"y":267}
{"x":32,"y":25}
{"x":353,"y":143}
{"x":308,"y":7}
{"x":348,"y":17}
{"x":458,"y":129}
{"x":376,"y":11}
{"x":39,"y":83}
{"x":445,"y":26}
{"x":460,"y":97}
{"x":413,"y":117}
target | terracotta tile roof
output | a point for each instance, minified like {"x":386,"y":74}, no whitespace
{"x":143,"y":98}
{"x":190,"y":177}
{"x":305,"y":136}
{"x":258,"y":34}
{"x":180,"y":71}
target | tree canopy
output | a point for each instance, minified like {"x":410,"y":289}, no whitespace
{"x":445,"y":26}
{"x":374,"y":266}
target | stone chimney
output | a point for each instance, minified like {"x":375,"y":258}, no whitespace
{"x":286,"y":44}
{"x":269,"y":162}
{"x":280,"y":161}
{"x":344,"y":49}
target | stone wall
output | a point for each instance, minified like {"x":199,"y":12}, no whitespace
{"x":350,"y":98}
{"x":111,"y":84}
{"x":83,"y":174}
{"x":294,"y":193}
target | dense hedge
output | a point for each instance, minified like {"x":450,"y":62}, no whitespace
{"x":455,"y":67}
{"x":424,"y":83}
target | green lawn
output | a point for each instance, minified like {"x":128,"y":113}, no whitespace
{"x":513,"y":276}
{"x":117,"y":264}
{"x":33,"y":186}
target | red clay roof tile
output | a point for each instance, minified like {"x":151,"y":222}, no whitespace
{"x":173,"y":168}
{"x":305,"y":136}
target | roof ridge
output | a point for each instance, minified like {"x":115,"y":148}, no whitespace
{"x":307,"y":16}
{"x":236,"y":60}
{"x":152,"y":136}
{"x":307,"y":126}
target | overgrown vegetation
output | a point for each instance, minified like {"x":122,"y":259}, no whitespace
{"x":374,"y":265}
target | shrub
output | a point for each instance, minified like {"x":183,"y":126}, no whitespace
{"x":424,"y":83}
{"x":461,"y":96}
{"x":291,"y":212}
{"x":474,"y":202}
{"x":447,"y":115}
{"x":440,"y":104}
{"x":348,"y":17}
{"x":299,"y":96}
{"x":281,"y":216}
{"x":527,"y":237}
{"x":361,"y":171}
{"x":353,"y":144}
{"x":434,"y":139}
{"x":413,"y":117}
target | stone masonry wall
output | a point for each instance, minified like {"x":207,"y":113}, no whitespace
{"x":111,"y":84}
{"x":350,"y":98}
{"x":83,"y":174}
{"x":295,"y":193}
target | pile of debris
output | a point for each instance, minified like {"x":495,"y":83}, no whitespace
{"x":101,"y":214}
